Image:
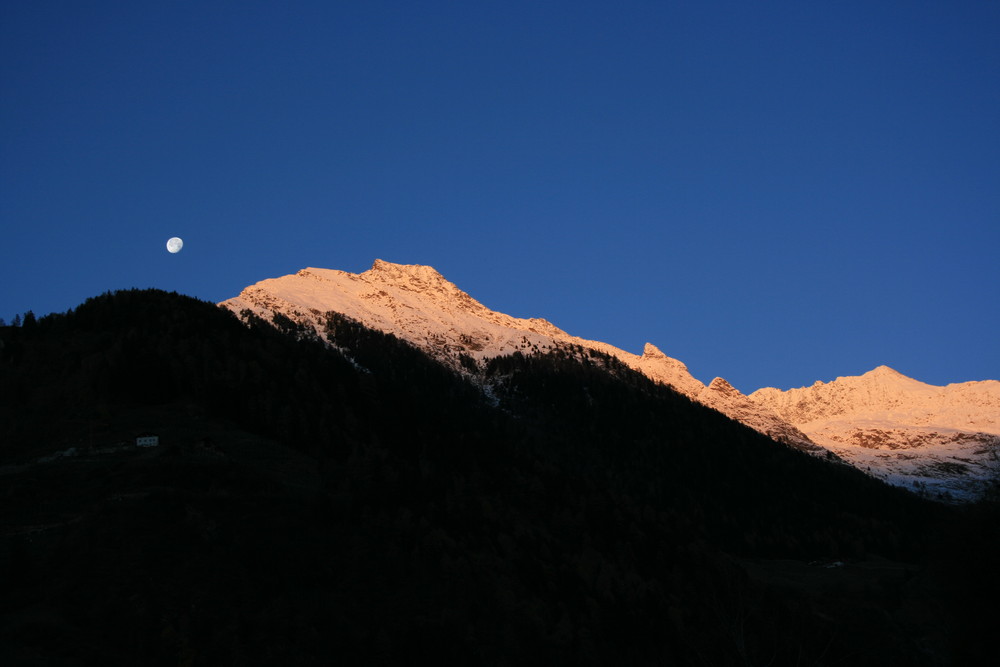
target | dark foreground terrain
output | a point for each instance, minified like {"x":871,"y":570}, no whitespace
{"x":308,"y":508}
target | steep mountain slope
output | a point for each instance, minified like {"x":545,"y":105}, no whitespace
{"x":935,"y":440}
{"x":938,"y":441}
{"x":304,"y":509}
{"x":417,"y":304}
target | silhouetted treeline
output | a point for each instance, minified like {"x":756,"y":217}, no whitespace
{"x":362,"y":503}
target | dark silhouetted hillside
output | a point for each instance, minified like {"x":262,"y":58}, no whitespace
{"x":365,"y":505}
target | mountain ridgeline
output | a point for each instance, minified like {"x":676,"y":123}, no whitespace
{"x":941,"y":442}
{"x":333,"y":493}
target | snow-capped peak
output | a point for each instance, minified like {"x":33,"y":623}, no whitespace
{"x":881,"y":389}
{"x":911,"y":433}
{"x":417,"y":304}
{"x":883,"y":371}
{"x":410,"y":275}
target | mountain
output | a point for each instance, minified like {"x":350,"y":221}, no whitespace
{"x":939,"y":441}
{"x":355,"y":500}
{"x":419,"y":305}
{"x":942,"y":441}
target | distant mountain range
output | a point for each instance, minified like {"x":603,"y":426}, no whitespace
{"x":943,"y":442}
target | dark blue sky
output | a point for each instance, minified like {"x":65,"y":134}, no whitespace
{"x":771,"y":192}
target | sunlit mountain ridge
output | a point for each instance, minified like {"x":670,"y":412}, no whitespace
{"x":943,"y":441}
{"x":951,"y":434}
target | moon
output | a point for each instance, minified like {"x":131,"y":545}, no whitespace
{"x":174,"y":245}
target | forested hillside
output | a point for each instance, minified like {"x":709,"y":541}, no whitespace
{"x":364,"y":504}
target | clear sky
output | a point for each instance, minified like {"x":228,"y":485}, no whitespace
{"x":772,"y":192}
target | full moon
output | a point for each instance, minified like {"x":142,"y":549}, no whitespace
{"x":174,"y":245}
